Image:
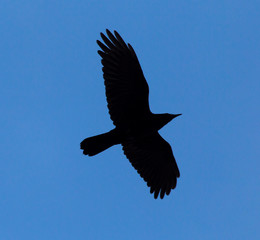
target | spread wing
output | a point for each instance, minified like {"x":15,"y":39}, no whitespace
{"x":153,"y":159}
{"x":126,"y":88}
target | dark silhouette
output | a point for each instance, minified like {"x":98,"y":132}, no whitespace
{"x":136,"y":126}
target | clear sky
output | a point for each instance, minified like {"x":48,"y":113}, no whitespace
{"x":200,"y":58}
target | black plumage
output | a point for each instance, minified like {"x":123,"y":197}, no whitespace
{"x":136,"y":127}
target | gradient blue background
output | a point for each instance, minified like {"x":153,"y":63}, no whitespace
{"x":201,"y":58}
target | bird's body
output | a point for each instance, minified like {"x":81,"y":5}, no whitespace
{"x":136,"y":127}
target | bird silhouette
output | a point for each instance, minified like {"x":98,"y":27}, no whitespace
{"x":136,"y":127}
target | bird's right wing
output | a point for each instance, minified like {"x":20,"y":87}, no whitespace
{"x":126,"y":88}
{"x":153,"y":159}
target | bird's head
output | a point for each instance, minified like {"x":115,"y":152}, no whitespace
{"x":162,"y":119}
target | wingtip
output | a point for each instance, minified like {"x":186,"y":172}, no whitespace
{"x":108,"y":31}
{"x":162,"y":194}
{"x":156,"y":193}
{"x":102,"y":35}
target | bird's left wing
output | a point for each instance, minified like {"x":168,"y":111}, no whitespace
{"x":126,"y":88}
{"x":153,"y":159}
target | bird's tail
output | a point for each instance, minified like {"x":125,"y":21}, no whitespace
{"x":94,"y":145}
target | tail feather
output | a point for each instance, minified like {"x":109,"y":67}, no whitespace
{"x":94,"y":145}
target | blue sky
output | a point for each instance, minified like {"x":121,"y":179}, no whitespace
{"x":200,"y":58}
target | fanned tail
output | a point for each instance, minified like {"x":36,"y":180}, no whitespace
{"x":96,"y":144}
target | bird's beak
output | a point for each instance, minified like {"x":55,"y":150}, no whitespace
{"x":175,"y":115}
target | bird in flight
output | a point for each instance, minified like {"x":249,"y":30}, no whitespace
{"x":136,"y":127}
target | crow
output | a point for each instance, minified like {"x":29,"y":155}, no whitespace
{"x":136,"y":127}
